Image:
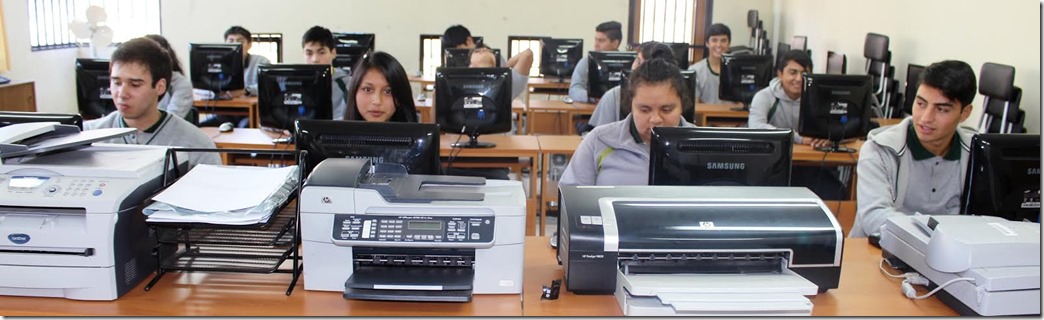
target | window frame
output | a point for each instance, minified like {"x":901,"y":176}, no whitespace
{"x":269,"y":37}
{"x":49,"y":21}
{"x":701,"y":21}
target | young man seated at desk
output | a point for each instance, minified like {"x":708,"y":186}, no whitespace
{"x":918,"y":165}
{"x":718,"y":39}
{"x":238,"y":34}
{"x":607,"y":38}
{"x":779,"y":106}
{"x":618,"y":153}
{"x":139,"y":73}
{"x":610,"y":108}
{"x":320,"y":47}
{"x":458,"y":36}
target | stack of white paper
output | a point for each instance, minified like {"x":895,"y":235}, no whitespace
{"x":235,"y":195}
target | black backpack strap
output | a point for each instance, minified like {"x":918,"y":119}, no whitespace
{"x":772,"y":111}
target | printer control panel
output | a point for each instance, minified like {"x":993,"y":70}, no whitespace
{"x":413,"y":228}
{"x":66,"y":187}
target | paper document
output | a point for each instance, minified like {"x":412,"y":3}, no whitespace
{"x":210,"y":188}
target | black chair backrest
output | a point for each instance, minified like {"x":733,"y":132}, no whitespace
{"x":875,"y":47}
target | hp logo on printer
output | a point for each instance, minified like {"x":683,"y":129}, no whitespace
{"x":18,"y":238}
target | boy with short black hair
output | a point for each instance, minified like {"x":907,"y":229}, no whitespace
{"x":718,"y":39}
{"x":457,"y":36}
{"x":238,"y":34}
{"x":918,"y":165}
{"x":608,"y":36}
{"x":320,"y":47}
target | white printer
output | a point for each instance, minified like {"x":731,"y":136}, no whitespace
{"x":989,"y":266}
{"x":387,"y":235}
{"x":699,"y":250}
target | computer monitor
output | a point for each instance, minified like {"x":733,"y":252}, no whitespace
{"x":605,"y":70}
{"x":558,"y":57}
{"x":473,"y":101}
{"x":835,"y":107}
{"x":13,"y":117}
{"x":92,"y":88}
{"x":351,"y":47}
{"x":461,"y":58}
{"x":216,"y":67}
{"x":720,"y":156}
{"x":743,"y":75}
{"x":413,"y":145}
{"x":1003,"y":177}
{"x":913,"y":76}
{"x":681,"y":53}
{"x":837,"y":63}
{"x":289,"y":92}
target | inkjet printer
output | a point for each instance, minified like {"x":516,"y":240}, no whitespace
{"x":686,"y":250}
{"x":70,"y":212}
{"x":387,"y":235}
{"x":986,"y":265}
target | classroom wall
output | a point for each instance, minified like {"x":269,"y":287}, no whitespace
{"x":733,"y":13}
{"x":926,"y":31}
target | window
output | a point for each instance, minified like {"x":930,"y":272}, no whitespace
{"x":269,"y":45}
{"x":681,"y":21}
{"x":430,"y":54}
{"x":518,"y":44}
{"x":49,"y":20}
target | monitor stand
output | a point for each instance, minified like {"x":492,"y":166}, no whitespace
{"x":283,"y":138}
{"x":473,"y":143}
{"x":835,"y":146}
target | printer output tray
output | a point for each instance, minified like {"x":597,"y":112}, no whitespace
{"x":768,"y":294}
{"x":405,"y":283}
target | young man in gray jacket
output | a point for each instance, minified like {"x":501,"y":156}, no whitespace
{"x":320,"y":47}
{"x":618,"y":153}
{"x":607,"y":38}
{"x":779,"y":104}
{"x":139,"y":76}
{"x":918,"y":165}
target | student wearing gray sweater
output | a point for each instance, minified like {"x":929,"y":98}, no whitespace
{"x":320,"y":47}
{"x":718,"y":39}
{"x":607,"y":38}
{"x":918,"y":165}
{"x":140,"y":71}
{"x":178,"y":99}
{"x":457,"y":36}
{"x":238,"y":34}
{"x":618,"y":153}
{"x":609,"y":108}
{"x":779,"y":104}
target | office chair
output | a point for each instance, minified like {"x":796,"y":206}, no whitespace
{"x":1001,"y":99}
{"x":837,"y":63}
{"x":913,"y":76}
{"x":878,"y":60}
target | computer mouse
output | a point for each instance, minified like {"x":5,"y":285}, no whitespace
{"x":226,"y":127}
{"x":567,"y":99}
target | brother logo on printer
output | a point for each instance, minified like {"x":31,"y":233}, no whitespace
{"x":18,"y":238}
{"x":726,"y":166}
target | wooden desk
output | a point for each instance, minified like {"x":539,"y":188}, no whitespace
{"x":863,"y":290}
{"x":422,"y":80}
{"x":239,"y":106}
{"x":508,"y":146}
{"x":543,"y":85}
{"x":707,"y":113}
{"x":246,"y":138}
{"x":18,"y":95}
{"x":888,"y":121}
{"x":554,"y":116}
{"x":552,"y":145}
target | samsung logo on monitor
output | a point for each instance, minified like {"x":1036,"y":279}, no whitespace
{"x":1033,"y":171}
{"x":296,"y":83}
{"x":726,"y":166}
{"x":478,"y":87}
{"x":837,"y":92}
{"x":373,"y":160}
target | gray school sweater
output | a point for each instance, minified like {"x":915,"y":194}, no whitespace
{"x":338,"y":91}
{"x":785,"y":116}
{"x":168,"y":131}
{"x":178,"y":99}
{"x":611,"y":155}
{"x":250,"y":72}
{"x":707,"y":83}
{"x":578,"y":83}
{"x":608,"y":108}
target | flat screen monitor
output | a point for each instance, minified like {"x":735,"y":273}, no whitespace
{"x":558,"y":57}
{"x":837,"y":63}
{"x":681,"y":53}
{"x":461,"y":58}
{"x":835,"y":107}
{"x":473,"y":101}
{"x":289,"y":92}
{"x":93,"y":97}
{"x":1003,"y":177}
{"x":605,"y":70}
{"x":913,"y":78}
{"x":216,"y":67}
{"x":720,"y":156}
{"x":413,"y":145}
{"x":351,"y":47}
{"x":743,"y":75}
{"x":14,"y":117}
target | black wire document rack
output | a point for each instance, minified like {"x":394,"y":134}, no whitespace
{"x":262,"y":247}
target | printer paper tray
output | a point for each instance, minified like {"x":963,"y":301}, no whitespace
{"x":714,"y":294}
{"x":654,"y":284}
{"x":407,"y":283}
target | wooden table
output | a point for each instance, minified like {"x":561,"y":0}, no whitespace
{"x":246,"y":138}
{"x":863,"y":290}
{"x":552,"y":83}
{"x":707,"y":113}
{"x":552,"y":145}
{"x":554,"y":116}
{"x":238,"y":106}
{"x":508,"y":146}
{"x":422,"y":80}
